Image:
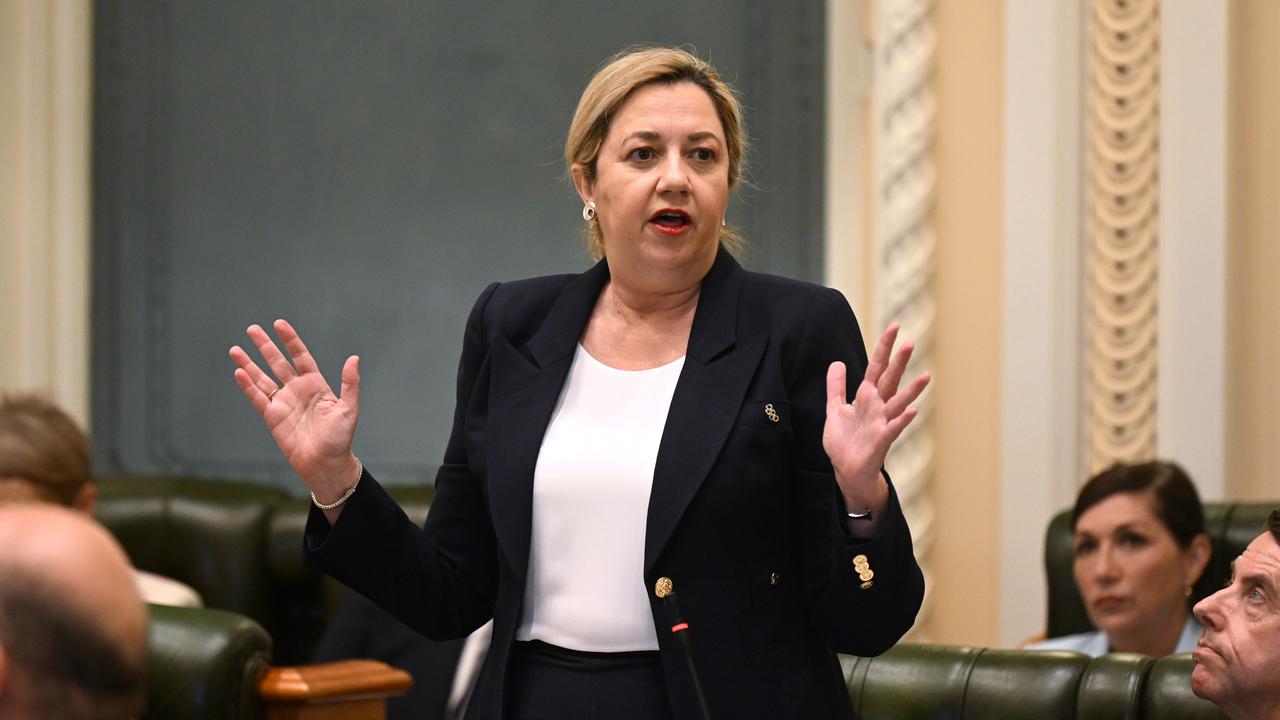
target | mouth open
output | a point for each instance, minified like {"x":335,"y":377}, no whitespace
{"x":670,"y":221}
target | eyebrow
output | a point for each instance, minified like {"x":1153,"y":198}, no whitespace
{"x":1264,"y":580}
{"x":652,"y":136}
{"x":1260,"y":578}
{"x":1130,"y":526}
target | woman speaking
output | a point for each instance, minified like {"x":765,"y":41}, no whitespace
{"x":664,"y":424}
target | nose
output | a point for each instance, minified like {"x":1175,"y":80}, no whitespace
{"x":673,"y":176}
{"x":1208,"y":612}
{"x":1105,"y":567}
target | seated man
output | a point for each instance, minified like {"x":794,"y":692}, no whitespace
{"x":1237,"y":661}
{"x":73,"y":630}
{"x":44,"y":457}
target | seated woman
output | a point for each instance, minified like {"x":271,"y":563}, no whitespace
{"x":1140,"y":546}
{"x":44,"y":457}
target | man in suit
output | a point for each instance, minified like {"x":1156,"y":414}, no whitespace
{"x":1237,"y":662}
{"x":73,"y":630}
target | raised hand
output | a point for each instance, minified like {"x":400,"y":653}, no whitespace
{"x":858,"y":434}
{"x":313,"y":427}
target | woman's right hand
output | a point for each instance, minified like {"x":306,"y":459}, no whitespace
{"x":313,"y":427}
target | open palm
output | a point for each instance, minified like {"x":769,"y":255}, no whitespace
{"x":313,"y":427}
{"x":857,"y":435}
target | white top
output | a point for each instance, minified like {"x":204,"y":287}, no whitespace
{"x":1094,"y":644}
{"x":160,"y":590}
{"x":585,"y":589}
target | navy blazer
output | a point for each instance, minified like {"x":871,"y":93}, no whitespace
{"x":744,"y":515}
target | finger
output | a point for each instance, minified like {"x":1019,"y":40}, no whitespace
{"x":257,"y":398}
{"x":880,"y":358}
{"x":255,"y":373}
{"x":275,"y":359}
{"x":351,"y":382}
{"x":895,"y":407}
{"x":302,"y":358}
{"x":895,"y":426}
{"x":888,"y":384}
{"x":836,"y":373}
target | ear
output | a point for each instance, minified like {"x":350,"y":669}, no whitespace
{"x":1197,"y":558}
{"x":86,"y":499}
{"x":581,"y":183}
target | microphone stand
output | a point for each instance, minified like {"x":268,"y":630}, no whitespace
{"x":680,"y":628}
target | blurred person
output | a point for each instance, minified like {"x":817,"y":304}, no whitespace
{"x":73,"y":629}
{"x":44,"y":457}
{"x":665,"y":422}
{"x":1140,"y":546}
{"x":1237,"y":661}
{"x":443,"y":671}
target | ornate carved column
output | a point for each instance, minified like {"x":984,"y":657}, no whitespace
{"x":1122,"y":266}
{"x":903,"y":126}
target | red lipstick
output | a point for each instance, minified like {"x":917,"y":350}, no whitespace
{"x":670,"y":221}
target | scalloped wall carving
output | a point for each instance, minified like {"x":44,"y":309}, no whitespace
{"x":904,"y":125}
{"x":1122,"y":267}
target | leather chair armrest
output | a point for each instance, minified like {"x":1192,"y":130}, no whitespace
{"x":204,"y":663}
{"x":350,"y":689}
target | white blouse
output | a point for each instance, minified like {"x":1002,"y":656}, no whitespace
{"x":585,"y":589}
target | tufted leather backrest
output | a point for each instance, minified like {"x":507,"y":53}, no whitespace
{"x":1167,"y":692}
{"x":925,"y":682}
{"x":1231,"y":527}
{"x":204,"y":663}
{"x":1112,"y":687}
{"x":911,"y":682}
{"x":238,"y":544}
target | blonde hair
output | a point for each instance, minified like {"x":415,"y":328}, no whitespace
{"x":614,"y":83}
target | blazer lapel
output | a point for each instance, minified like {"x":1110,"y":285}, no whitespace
{"x":717,"y":369}
{"x":523,"y":394}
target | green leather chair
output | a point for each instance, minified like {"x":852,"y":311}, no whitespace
{"x":204,"y":664}
{"x":238,"y":544}
{"x":931,"y":682}
{"x":214,"y":664}
{"x":1231,"y":527}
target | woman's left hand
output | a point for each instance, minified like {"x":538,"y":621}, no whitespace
{"x":858,"y":434}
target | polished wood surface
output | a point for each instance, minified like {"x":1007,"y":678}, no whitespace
{"x":349,"y":689}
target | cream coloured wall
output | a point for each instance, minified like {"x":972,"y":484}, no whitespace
{"x":967,"y":289}
{"x":44,"y":200}
{"x":1021,"y":369}
{"x":1253,"y":252}
{"x":963,"y":605}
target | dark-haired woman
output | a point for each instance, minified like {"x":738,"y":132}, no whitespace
{"x":1140,"y":546}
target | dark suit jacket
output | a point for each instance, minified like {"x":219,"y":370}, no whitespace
{"x":743,"y":517}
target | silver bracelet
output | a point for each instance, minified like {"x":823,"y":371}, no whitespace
{"x":857,"y":516}
{"x":345,"y":495}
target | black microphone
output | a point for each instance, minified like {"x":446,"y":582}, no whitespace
{"x":680,"y":628}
